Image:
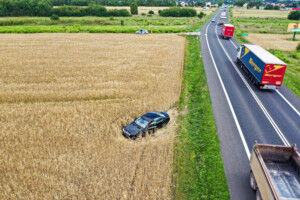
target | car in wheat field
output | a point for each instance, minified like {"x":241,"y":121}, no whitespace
{"x":148,"y":122}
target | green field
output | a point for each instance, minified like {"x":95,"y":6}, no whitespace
{"x":155,"y":24}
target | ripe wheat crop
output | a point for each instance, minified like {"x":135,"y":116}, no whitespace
{"x":64,"y":99}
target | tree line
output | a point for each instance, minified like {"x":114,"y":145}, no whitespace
{"x":114,"y":2}
{"x":45,"y":8}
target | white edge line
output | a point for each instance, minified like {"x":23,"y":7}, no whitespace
{"x":279,"y":133}
{"x":298,"y":113}
{"x":228,"y":100}
{"x":233,"y":43}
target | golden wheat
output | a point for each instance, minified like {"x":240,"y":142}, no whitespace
{"x":64,"y":100}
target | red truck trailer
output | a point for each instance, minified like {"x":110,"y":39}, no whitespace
{"x":227,"y":31}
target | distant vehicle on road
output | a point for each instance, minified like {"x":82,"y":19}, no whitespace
{"x":264,"y":69}
{"x":222,"y":20}
{"x":148,"y":122}
{"x":275,"y":172}
{"x":213,"y":20}
{"x":227,"y":31}
{"x":141,"y":32}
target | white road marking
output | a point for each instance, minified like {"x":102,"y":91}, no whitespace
{"x":278,"y":131}
{"x":228,"y":100}
{"x":233,"y":44}
{"x":298,"y":113}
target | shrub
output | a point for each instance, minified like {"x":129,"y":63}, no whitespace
{"x":111,"y":18}
{"x":269,"y":7}
{"x":54,"y":17}
{"x":201,"y":15}
{"x":149,"y":15}
{"x":159,"y":11}
{"x":134,"y":8}
{"x":178,"y":12}
{"x":143,"y":14}
{"x":276,"y":8}
{"x":122,"y":22}
{"x":118,"y":13}
{"x":298,"y":47}
{"x":151,"y":12}
{"x":294,"y":15}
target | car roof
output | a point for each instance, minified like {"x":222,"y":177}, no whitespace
{"x":153,"y":115}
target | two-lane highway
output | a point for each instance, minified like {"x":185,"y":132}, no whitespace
{"x":243,"y":112}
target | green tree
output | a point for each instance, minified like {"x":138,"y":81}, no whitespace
{"x":294,"y":15}
{"x":220,"y":2}
{"x":269,"y":7}
{"x":201,"y":15}
{"x":134,"y":8}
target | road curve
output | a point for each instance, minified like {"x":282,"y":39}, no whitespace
{"x":244,"y":113}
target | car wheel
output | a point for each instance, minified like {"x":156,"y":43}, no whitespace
{"x":143,"y":133}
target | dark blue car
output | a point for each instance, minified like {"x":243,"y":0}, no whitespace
{"x":148,"y":122}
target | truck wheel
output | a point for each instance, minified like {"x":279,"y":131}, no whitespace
{"x":258,"y":195}
{"x":253,"y":183}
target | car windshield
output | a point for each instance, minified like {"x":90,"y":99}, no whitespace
{"x":141,"y":122}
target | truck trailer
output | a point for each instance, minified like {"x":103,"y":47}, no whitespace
{"x":264,"y":69}
{"x":275,"y":172}
{"x":227,"y":31}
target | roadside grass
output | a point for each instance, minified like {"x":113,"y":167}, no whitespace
{"x":291,"y":58}
{"x":199,"y":171}
{"x":292,"y":74}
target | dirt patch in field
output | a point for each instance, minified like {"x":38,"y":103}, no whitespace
{"x":273,"y":41}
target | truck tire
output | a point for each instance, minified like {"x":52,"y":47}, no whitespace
{"x":258,"y":195}
{"x":253,"y":183}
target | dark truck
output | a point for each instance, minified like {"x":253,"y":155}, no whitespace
{"x":264,"y":69}
{"x":275,"y":172}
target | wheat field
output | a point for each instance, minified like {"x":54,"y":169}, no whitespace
{"x":273,"y":41}
{"x":64,"y":99}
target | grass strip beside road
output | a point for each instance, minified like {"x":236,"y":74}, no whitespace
{"x":199,"y":170}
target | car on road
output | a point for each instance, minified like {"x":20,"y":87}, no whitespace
{"x":213,"y":20}
{"x":148,"y":122}
{"x":141,"y":32}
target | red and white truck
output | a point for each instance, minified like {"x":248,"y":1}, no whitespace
{"x":227,"y":31}
{"x":264,"y":69}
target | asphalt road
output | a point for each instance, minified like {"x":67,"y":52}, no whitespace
{"x":243,"y":113}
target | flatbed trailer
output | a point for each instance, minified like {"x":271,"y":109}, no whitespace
{"x":275,"y":172}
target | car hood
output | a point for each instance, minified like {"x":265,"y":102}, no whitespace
{"x":133,"y":128}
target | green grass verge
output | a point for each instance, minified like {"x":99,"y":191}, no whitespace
{"x":199,"y":171}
